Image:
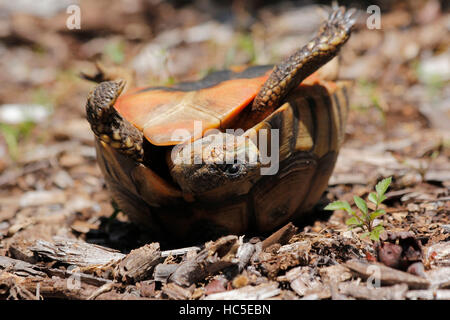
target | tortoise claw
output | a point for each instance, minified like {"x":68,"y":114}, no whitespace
{"x":349,"y":13}
{"x":338,"y":14}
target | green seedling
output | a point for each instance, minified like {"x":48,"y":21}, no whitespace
{"x":434,"y":83}
{"x":16,"y":133}
{"x":13,"y":134}
{"x":365,"y":220}
{"x":369,"y":89}
{"x":242,"y":44}
{"x":115,"y":51}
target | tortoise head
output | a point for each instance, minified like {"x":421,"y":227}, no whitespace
{"x":218,"y":161}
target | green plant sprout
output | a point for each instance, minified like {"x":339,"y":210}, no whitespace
{"x":369,"y":89}
{"x":13,"y":134}
{"x":115,"y":51}
{"x":243,"y":43}
{"x":366,"y":220}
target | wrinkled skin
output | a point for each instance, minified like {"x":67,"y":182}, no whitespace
{"x":216,"y":160}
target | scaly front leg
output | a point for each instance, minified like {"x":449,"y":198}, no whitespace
{"x":108,"y":125}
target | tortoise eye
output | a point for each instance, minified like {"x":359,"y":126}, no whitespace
{"x":231,"y":168}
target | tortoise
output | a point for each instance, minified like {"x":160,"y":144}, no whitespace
{"x":171,"y":163}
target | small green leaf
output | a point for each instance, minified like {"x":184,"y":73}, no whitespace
{"x":353,"y":213}
{"x":376,"y":214}
{"x":365,"y":235}
{"x":382,"y":186}
{"x":382,"y":198}
{"x":373,"y":197}
{"x":339,"y":205}
{"x":361,"y":204}
{"x":378,"y":228}
{"x":352,"y":221}
{"x":375,"y":234}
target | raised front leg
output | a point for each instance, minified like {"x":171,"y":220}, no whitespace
{"x":108,"y":125}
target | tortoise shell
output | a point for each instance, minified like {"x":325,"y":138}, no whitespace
{"x":311,"y":126}
{"x":215,"y":101}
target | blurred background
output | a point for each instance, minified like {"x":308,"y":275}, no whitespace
{"x":50,"y":184}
